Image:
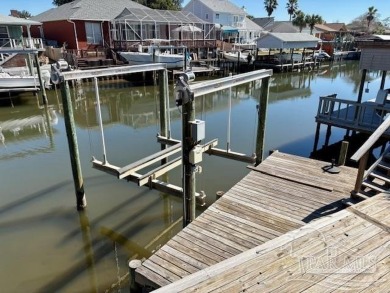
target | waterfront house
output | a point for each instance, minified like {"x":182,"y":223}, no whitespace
{"x":145,"y":26}
{"x":233,"y":22}
{"x":12,"y":40}
{"x":334,"y":36}
{"x":88,"y":30}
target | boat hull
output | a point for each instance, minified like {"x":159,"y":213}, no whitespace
{"x":137,"y":58}
{"x":234,"y":57}
{"x":22,"y":82}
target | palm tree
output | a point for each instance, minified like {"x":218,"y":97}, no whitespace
{"x":312,"y":20}
{"x":299,"y":20}
{"x":292,"y":7}
{"x":371,"y":15}
{"x":270,"y":6}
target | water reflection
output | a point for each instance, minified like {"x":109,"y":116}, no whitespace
{"x":19,"y":128}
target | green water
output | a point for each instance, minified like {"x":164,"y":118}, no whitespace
{"x":47,"y":246}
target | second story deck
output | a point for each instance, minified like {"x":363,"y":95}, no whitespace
{"x":352,"y":115}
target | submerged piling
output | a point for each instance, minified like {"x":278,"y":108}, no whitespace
{"x":81,"y":200}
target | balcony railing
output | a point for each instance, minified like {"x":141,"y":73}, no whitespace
{"x":365,"y":116}
{"x":33,"y":43}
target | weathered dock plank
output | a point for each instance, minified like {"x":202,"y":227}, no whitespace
{"x":345,"y":252}
{"x":280,"y":195}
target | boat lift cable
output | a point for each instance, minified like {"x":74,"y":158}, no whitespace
{"x":229,"y":121}
{"x":100,"y":119}
{"x":82,"y":97}
{"x":168,"y":112}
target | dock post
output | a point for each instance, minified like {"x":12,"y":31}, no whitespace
{"x":343,"y":153}
{"x":185,"y":98}
{"x":384,"y":73}
{"x":188,"y":114}
{"x":327,"y":136}
{"x":133,"y":265}
{"x":361,"y":87}
{"x":41,"y":84}
{"x":164,"y":111}
{"x":317,"y":136}
{"x":81,"y":200}
{"x":262,"y":116}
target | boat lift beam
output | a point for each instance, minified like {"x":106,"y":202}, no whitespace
{"x":92,"y":73}
{"x":212,"y":150}
{"x":207,"y":87}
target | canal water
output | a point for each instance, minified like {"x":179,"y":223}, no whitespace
{"x":47,"y":246}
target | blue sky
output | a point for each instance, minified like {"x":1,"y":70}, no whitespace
{"x":330,"y":10}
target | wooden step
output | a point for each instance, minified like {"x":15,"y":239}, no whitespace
{"x":374,"y":186}
{"x":384,"y":165}
{"x":380,"y":176}
{"x":355,"y":196}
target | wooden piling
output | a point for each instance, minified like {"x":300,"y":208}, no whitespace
{"x":133,"y":265}
{"x":317,"y":136}
{"x":188,"y":114}
{"x":262,"y":116}
{"x":361,"y":87}
{"x":343,"y":153}
{"x":41,"y":84}
{"x":81,"y":200}
{"x":384,"y":73}
{"x":327,"y":136}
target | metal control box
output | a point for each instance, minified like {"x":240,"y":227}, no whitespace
{"x":196,"y":155}
{"x":198,"y":130}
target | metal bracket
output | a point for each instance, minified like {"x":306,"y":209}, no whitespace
{"x":183,"y":92}
{"x":56,"y":76}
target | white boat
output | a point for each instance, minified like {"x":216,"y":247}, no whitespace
{"x":233,"y":56}
{"x":8,"y":81}
{"x":161,"y":56}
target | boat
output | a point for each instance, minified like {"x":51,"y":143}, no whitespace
{"x":233,"y":56}
{"x":161,"y":55}
{"x":8,"y":81}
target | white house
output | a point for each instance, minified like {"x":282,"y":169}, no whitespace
{"x":232,"y":19}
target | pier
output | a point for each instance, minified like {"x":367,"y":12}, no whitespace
{"x":347,"y":251}
{"x":281,"y":194}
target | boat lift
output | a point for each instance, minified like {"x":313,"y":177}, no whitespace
{"x":192,"y":151}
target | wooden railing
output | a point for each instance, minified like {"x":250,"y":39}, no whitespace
{"x":89,"y":53}
{"x":365,"y":116}
{"x":363,"y":152}
{"x":33,"y":43}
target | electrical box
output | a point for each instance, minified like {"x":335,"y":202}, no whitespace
{"x":198,"y":130}
{"x":196,"y":155}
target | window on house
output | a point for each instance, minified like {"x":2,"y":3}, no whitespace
{"x":235,"y":18}
{"x":207,"y":16}
{"x":94,"y":33}
{"x":4,"y":38}
{"x":217,"y":16}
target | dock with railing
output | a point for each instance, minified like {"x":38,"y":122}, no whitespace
{"x":281,"y":194}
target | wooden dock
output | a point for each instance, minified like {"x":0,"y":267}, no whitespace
{"x":348,"y":251}
{"x":282,"y":194}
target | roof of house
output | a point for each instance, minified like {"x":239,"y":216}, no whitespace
{"x":88,"y":10}
{"x":324,"y":28}
{"x":224,"y":6}
{"x":264,"y":21}
{"x":10,"y":20}
{"x":155,"y":15}
{"x":287,"y":40}
{"x":251,"y":25}
{"x":337,"y":26}
{"x":281,"y":27}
